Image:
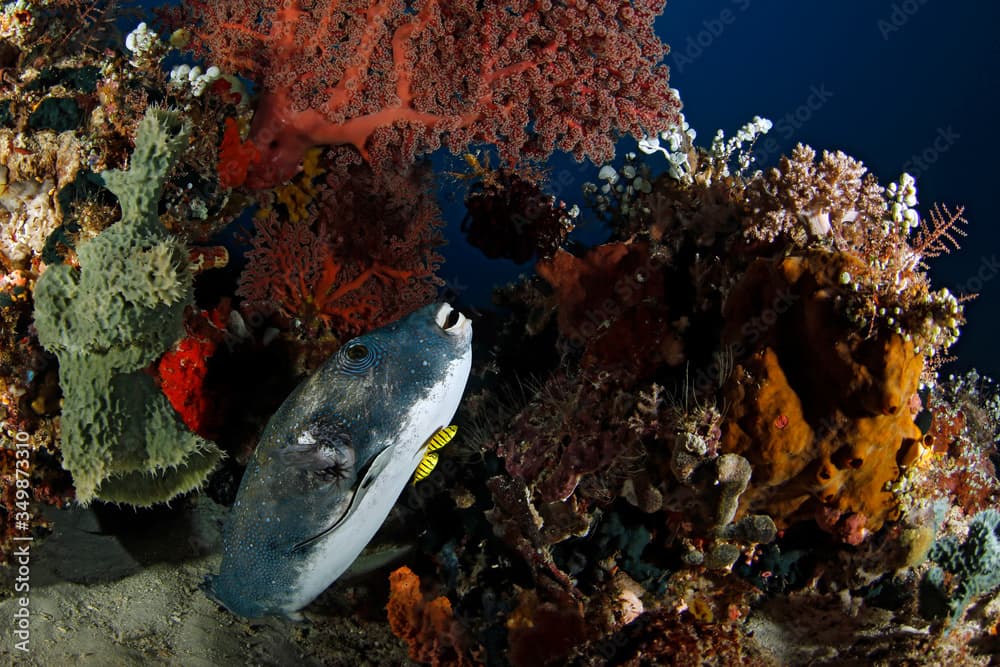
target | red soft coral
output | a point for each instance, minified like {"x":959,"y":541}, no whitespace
{"x":393,"y":78}
{"x":183,"y":369}
{"x":374,"y":264}
{"x":236,"y":157}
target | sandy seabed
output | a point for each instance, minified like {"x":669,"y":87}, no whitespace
{"x":110,"y":589}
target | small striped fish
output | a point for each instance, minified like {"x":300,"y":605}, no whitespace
{"x":436,"y":442}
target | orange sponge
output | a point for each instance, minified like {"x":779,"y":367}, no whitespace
{"x":427,"y":626}
{"x":818,"y":408}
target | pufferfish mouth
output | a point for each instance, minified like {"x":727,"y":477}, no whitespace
{"x":451,"y":321}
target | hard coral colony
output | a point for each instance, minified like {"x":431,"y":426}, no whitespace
{"x":686,"y":441}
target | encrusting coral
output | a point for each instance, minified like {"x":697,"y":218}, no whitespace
{"x":110,"y":318}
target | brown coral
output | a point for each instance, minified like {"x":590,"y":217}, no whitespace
{"x":427,"y":626}
{"x":611,"y":305}
{"x":665,"y":637}
{"x":509,"y":215}
{"x":819,"y":410}
{"x":803,"y":200}
{"x":544,"y":633}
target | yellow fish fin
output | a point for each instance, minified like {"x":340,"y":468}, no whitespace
{"x":430,"y":459}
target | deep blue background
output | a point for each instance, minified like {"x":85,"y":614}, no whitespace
{"x":898,"y":75}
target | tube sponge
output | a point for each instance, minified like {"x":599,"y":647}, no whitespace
{"x":108,"y":320}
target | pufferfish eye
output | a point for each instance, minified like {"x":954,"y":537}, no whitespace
{"x":357,"y":357}
{"x":357,"y":352}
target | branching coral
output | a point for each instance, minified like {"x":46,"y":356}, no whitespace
{"x":801,"y":201}
{"x":791,"y":317}
{"x":509,"y":215}
{"x":835,"y":204}
{"x":72,"y":110}
{"x":51,"y":27}
{"x":957,"y":462}
{"x":665,"y":637}
{"x":572,"y":434}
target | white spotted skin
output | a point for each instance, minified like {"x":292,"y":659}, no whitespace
{"x":338,"y":550}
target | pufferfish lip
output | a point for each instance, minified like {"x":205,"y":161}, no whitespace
{"x":451,"y":321}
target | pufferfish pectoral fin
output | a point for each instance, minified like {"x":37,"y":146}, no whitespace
{"x":436,"y":442}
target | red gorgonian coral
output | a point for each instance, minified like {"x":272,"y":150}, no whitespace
{"x":366,"y":255}
{"x":393,"y":78}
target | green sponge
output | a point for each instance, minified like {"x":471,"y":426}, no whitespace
{"x":111,"y":318}
{"x":974,"y":565}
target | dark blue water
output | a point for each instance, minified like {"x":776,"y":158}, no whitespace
{"x":906,"y":86}
{"x":902,"y":86}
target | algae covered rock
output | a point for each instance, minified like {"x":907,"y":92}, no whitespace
{"x":111,"y":318}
